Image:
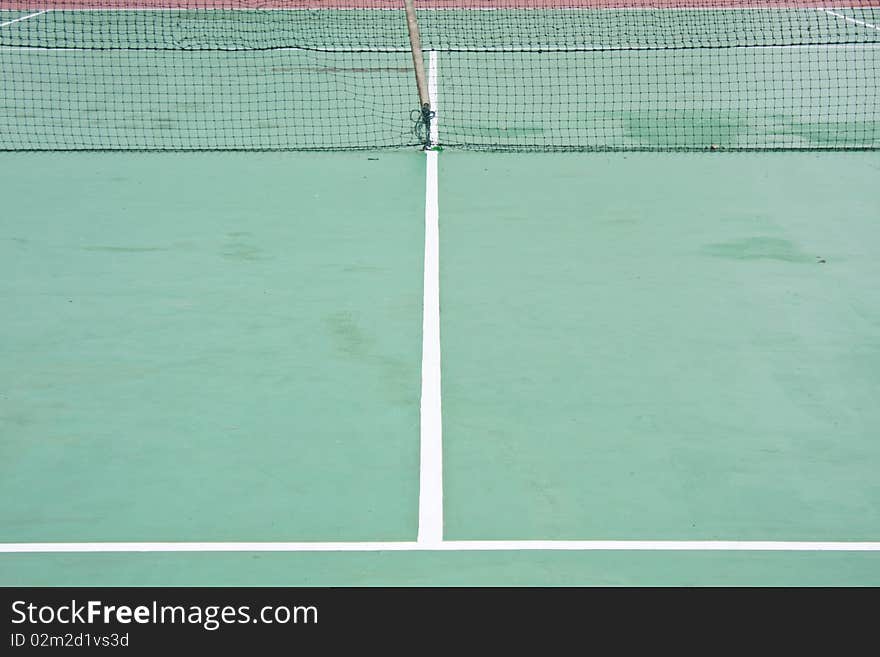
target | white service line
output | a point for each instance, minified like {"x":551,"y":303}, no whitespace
{"x":452,"y":546}
{"x":24,"y":18}
{"x":430,"y":529}
{"x":851,"y":20}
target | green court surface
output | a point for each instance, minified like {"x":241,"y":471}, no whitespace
{"x":227,"y":348}
{"x":664,"y":346}
{"x":207,"y":348}
{"x":551,"y":568}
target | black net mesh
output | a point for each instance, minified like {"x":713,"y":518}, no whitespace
{"x":510,"y":75}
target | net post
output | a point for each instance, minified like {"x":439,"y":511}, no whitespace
{"x":415,"y":42}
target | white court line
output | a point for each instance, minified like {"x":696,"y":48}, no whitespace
{"x":431,"y":459}
{"x":851,"y":20}
{"x":452,"y":546}
{"x":24,"y":18}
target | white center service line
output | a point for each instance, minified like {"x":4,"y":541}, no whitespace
{"x":430,"y":530}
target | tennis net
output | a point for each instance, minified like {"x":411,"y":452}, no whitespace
{"x":508,"y":75}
